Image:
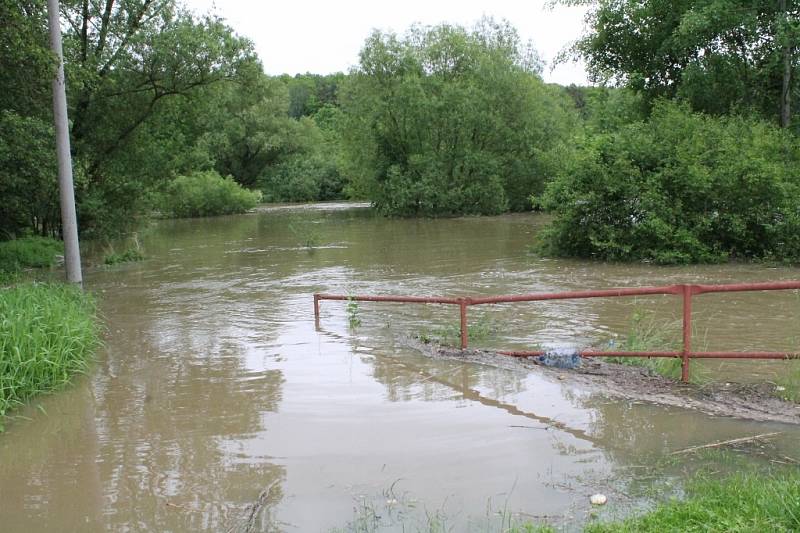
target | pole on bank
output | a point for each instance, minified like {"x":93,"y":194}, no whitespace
{"x":69,"y":221}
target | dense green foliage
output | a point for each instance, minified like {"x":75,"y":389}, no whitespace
{"x":154,"y":92}
{"x":29,"y":252}
{"x":446,"y":120}
{"x":204,"y":194}
{"x":441,"y":120}
{"x":736,"y":504}
{"x":48,"y":333}
{"x":721,"y":56}
{"x":679,"y":188}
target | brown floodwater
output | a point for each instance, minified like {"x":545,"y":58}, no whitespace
{"x":214,"y":384}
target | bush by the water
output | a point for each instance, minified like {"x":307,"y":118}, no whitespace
{"x":204,"y":194}
{"x":29,"y":252}
{"x":48,"y":333}
{"x":679,"y":188}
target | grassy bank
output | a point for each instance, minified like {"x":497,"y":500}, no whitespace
{"x":740,"y":503}
{"x":48,"y":333}
{"x":29,"y":252}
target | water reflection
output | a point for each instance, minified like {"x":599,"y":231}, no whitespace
{"x":214,"y":383}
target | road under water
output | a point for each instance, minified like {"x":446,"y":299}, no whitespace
{"x":214,"y":384}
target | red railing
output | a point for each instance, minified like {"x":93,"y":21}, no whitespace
{"x":686,"y":292}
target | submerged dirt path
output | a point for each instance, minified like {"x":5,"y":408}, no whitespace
{"x":738,"y":400}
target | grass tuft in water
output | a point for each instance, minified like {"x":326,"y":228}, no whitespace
{"x":48,"y":333}
{"x":478,"y":330}
{"x":645,"y":333}
{"x":744,"y":502}
{"x":130,"y":254}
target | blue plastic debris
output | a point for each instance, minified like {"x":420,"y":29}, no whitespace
{"x":560,"y":358}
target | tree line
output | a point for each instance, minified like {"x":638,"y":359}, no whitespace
{"x":684,"y":150}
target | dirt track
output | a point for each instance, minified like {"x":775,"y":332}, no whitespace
{"x":747,"y":401}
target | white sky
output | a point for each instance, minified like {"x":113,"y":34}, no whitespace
{"x":325,"y":36}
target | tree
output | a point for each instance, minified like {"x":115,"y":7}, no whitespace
{"x":681,"y":187}
{"x":445,"y":120}
{"x":719,"y":55}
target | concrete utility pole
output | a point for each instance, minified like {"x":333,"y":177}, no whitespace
{"x":69,"y":220}
{"x":786,"y":87}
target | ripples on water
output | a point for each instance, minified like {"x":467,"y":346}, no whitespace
{"x":214,"y":382}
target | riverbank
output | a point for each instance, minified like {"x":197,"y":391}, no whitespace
{"x":48,"y":333}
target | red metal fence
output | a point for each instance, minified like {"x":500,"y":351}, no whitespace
{"x":686,"y":292}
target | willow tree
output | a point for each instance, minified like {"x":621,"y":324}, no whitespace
{"x":448,"y":120}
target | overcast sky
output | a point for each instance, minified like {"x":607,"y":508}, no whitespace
{"x":325,"y":36}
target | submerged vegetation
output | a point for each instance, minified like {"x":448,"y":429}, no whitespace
{"x":205,"y":194}
{"x":48,"y":333}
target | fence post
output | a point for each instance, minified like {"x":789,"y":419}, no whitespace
{"x":316,"y":309}
{"x":687,"y":332}
{"x":464,"y":331}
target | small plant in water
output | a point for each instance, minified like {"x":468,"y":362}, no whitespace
{"x":353,"y":318}
{"x":306,"y":233}
{"x":130,"y":254}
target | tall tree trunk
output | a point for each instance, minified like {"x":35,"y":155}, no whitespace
{"x":786,"y":88}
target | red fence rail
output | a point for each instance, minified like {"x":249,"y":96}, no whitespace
{"x":686,"y":292}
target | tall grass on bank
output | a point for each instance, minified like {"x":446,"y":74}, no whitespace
{"x":744,"y":502}
{"x":29,"y":252}
{"x":48,"y":333}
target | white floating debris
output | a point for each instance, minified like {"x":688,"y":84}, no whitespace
{"x":598,"y":499}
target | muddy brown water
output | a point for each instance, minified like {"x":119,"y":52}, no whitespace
{"x":214,"y":384}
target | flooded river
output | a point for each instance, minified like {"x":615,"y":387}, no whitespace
{"x":214,"y":384}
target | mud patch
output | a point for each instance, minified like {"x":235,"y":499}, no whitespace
{"x":737,"y":400}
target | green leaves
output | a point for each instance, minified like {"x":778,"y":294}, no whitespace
{"x":205,"y":194}
{"x":679,"y":188}
{"x":446,"y":120}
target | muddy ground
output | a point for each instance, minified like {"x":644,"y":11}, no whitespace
{"x":739,"y":400}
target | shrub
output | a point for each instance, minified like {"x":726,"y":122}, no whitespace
{"x":48,"y":332}
{"x":679,"y":188}
{"x":204,"y":194}
{"x":29,"y":252}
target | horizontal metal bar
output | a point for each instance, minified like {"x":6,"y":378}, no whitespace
{"x":594,"y":353}
{"x":744,"y":355}
{"x":395,"y":299}
{"x":692,"y":355}
{"x":746,"y":287}
{"x":601,"y":293}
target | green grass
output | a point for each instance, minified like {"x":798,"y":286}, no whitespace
{"x":48,"y":333}
{"x":29,"y":252}
{"x":127,"y":256}
{"x":645,"y":333}
{"x":788,"y":383}
{"x":741,"y":503}
{"x":478,"y":330}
